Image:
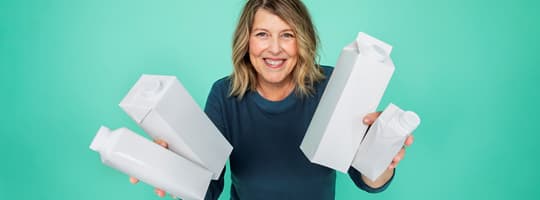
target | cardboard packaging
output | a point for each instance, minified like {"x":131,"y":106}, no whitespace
{"x":138,"y":157}
{"x":355,"y":88}
{"x":384,"y":140}
{"x":164,"y":109}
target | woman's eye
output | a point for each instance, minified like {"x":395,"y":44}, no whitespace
{"x":261,"y":34}
{"x":288,"y":35}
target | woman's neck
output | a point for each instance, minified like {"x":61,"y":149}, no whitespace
{"x":275,"y":91}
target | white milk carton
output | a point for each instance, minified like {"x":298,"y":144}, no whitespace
{"x":355,"y":88}
{"x":138,"y":157}
{"x":384,"y":140}
{"x":164,"y":109}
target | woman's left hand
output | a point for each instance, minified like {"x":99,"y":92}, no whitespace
{"x":401,"y":153}
{"x":370,"y":119}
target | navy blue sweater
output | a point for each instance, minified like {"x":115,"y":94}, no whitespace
{"x":266,"y":162}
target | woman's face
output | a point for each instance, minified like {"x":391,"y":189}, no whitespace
{"x":272,"y":49}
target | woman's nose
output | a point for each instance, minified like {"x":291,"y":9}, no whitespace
{"x":275,"y":47}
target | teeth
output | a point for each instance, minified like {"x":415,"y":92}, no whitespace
{"x":273,"y":62}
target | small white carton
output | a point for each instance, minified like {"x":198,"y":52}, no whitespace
{"x":355,"y":89}
{"x":164,"y":109}
{"x":134,"y":155}
{"x":384,"y":140}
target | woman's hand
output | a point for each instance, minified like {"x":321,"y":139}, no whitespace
{"x":134,"y":180}
{"x":401,"y":153}
{"x":370,"y":119}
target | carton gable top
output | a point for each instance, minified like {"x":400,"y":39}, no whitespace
{"x":372,"y":47}
{"x":144,"y":95}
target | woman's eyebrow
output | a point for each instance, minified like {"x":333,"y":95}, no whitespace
{"x":260,"y":29}
{"x":263,"y":29}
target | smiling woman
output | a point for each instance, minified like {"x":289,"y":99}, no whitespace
{"x":470,"y":68}
{"x":275,"y":45}
{"x":255,"y":108}
{"x":273,"y":54}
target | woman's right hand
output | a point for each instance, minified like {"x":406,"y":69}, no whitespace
{"x":158,"y":191}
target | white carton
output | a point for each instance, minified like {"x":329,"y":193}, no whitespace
{"x":164,"y":109}
{"x":355,"y":88}
{"x":138,"y":157}
{"x":384,"y":140}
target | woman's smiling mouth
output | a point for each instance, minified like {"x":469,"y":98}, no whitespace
{"x":274,"y":62}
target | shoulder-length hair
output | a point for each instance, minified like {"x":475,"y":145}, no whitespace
{"x":306,"y":72}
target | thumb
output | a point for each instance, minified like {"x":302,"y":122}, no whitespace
{"x":371,"y":117}
{"x":162,"y":143}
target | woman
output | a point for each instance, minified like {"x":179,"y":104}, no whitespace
{"x":265,"y":106}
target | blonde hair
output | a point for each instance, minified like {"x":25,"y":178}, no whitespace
{"x":306,"y":72}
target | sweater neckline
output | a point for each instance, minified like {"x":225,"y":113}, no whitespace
{"x":274,"y":107}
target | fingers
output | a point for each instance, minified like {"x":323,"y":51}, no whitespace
{"x":409,"y":141}
{"x":159,"y":192}
{"x":397,"y":159}
{"x":133,"y":180}
{"x":162,"y":143}
{"x":371,"y":117}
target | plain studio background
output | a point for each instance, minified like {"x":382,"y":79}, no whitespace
{"x":468,"y":68}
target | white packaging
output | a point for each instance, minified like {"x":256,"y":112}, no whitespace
{"x":384,"y":140}
{"x":355,"y":88}
{"x":138,"y":157}
{"x":164,"y":109}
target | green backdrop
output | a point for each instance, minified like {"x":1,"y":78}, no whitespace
{"x":470,"y":69}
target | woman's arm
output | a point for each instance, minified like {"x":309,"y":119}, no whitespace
{"x":389,"y":173}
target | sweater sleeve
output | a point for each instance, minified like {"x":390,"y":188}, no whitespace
{"x":215,"y":188}
{"x":214,"y":111}
{"x":214,"y":107}
{"x":356,"y":177}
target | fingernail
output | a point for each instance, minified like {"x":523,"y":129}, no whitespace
{"x":160,"y":193}
{"x":133,"y":180}
{"x":366,"y":120}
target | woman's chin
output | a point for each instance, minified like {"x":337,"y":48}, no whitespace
{"x":275,"y":80}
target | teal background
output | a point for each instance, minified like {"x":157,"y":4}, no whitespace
{"x":470,"y":69}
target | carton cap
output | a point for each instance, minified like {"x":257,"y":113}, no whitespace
{"x":152,"y":87}
{"x":144,"y":95}
{"x":409,"y":121}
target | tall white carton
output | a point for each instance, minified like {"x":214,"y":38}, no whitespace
{"x":138,"y":157}
{"x":164,"y":109}
{"x":384,"y":140}
{"x":355,"y":88}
